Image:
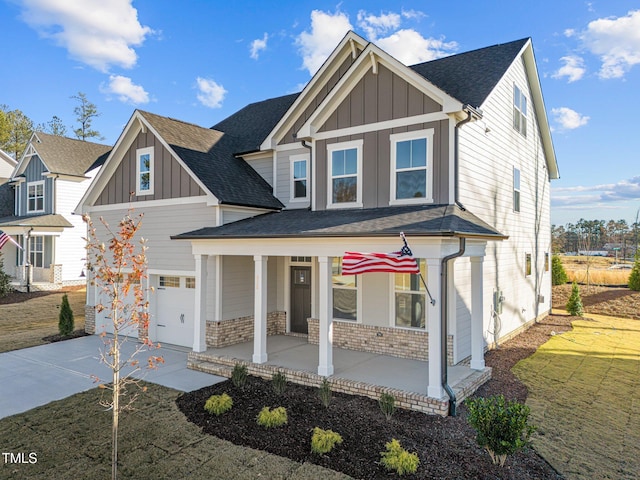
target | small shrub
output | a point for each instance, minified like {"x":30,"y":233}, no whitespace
{"x":279,"y":383}
{"x":5,"y":280}
{"x":272,"y":418}
{"x":324,"y":393}
{"x":66,"y":324}
{"x":558,"y":273}
{"x":218,"y":404}
{"x":387,"y":404}
{"x":398,"y":459}
{"x":323,"y":441}
{"x":634,"y":277}
{"x":574,"y":305}
{"x":239,"y":375}
{"x":501,"y":427}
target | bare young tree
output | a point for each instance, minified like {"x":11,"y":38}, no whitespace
{"x":119,"y":271}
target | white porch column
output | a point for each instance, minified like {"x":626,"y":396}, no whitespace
{"x":260,"y":310}
{"x":477,"y":308}
{"x":434,"y":328}
{"x":325,"y":301}
{"x":200,"y":317}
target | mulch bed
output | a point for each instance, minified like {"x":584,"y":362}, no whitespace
{"x":18,"y":297}
{"x":59,"y":338}
{"x":446,"y":446}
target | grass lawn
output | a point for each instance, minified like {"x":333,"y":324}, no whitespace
{"x":25,"y":323}
{"x":584,"y":395}
{"x":72,"y":440}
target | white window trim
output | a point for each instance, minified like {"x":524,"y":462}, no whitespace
{"x":35,"y":184}
{"x":357,"y":144}
{"x":392,"y":302}
{"x":519,"y":190}
{"x":139,"y":153}
{"x":292,"y":180}
{"x":33,"y":251}
{"x":401,"y":137}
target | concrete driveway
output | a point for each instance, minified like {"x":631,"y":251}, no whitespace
{"x":36,"y":376}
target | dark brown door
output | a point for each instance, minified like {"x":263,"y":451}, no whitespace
{"x":300,"y":298}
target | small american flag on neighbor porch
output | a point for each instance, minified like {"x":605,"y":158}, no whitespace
{"x":354,"y":263}
{"x":4,"y":238}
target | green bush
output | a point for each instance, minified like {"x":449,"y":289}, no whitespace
{"x":272,"y":418}
{"x":324,"y":392}
{"x":398,"y":459}
{"x":279,"y":383}
{"x":5,"y":280}
{"x":387,"y":404}
{"x":634,"y":277}
{"x":323,"y":441}
{"x":501,"y":427}
{"x":218,"y":404}
{"x":558,"y":274}
{"x":574,"y":305}
{"x":66,"y":324}
{"x":239,"y":375}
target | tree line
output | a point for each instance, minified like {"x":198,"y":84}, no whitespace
{"x":16,"y":128}
{"x":597,"y":235}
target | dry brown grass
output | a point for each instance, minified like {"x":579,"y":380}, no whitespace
{"x":615,"y":302}
{"x":597,"y":268}
{"x":24,"y":323}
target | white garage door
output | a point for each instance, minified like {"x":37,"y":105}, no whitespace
{"x":104,"y":323}
{"x":175,"y":297}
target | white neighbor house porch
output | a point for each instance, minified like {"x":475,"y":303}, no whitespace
{"x":265,"y":251}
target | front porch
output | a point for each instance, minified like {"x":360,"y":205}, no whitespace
{"x":355,"y":372}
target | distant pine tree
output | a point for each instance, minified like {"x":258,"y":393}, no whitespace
{"x":66,"y":323}
{"x":574,"y":305}
{"x":634,"y":278}
{"x":558,"y":273}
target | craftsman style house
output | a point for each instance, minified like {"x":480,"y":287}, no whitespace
{"x":48,"y":181}
{"x":247,"y":221}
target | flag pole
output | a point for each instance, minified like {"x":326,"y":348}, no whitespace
{"x":407,"y":251}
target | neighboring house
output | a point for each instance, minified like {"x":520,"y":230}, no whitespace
{"x":48,"y":181}
{"x":7,"y":165}
{"x":247,"y":221}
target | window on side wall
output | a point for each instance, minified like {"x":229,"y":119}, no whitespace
{"x":527,"y":264}
{"x":519,"y":111}
{"x":144,"y":171}
{"x":516,"y":189}
{"x":410,"y":298}
{"x":411,"y":169}
{"x":345,"y":174}
{"x":299,"y":178}
{"x":547,"y":261}
{"x":35,"y":197}
{"x":345,"y":293}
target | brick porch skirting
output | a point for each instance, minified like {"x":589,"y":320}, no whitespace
{"x":240,"y":330}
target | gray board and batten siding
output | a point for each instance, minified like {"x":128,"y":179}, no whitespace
{"x":33,"y":173}
{"x":170,"y":179}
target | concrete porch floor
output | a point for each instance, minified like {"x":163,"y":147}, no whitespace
{"x":406,"y":375}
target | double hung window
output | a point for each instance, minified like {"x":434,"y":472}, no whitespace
{"x":410,"y":298}
{"x":144,"y":171}
{"x":35,"y":197}
{"x":411,"y":169}
{"x":345,"y":174}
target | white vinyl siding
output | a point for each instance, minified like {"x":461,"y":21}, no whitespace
{"x":345,"y":174}
{"x":412,"y":167}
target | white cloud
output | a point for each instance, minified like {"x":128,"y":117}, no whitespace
{"x":410,"y":47}
{"x":326,"y":32}
{"x":211,"y":93}
{"x":568,"y":119}
{"x":616,"y":41}
{"x":573,"y":68}
{"x":126,"y":90}
{"x":624,"y":190}
{"x":99,"y":33}
{"x":413,"y":14}
{"x":377,"y":25}
{"x":258,"y":45}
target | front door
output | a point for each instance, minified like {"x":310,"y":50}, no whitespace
{"x":300,"y":298}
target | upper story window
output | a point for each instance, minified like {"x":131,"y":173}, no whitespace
{"x":410,"y":299}
{"x":411,"y":167}
{"x":35,"y":197}
{"x":299,"y":178}
{"x":345,"y":174}
{"x":345,"y":293}
{"x":144,"y":171}
{"x":516,"y":189}
{"x":519,"y":111}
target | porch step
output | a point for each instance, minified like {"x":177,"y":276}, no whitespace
{"x":210,"y":367}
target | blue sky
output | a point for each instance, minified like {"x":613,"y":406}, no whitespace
{"x":199,"y":61}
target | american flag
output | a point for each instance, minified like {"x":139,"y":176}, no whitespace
{"x":354,"y":263}
{"x":4,"y":238}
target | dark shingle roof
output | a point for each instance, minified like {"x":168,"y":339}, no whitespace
{"x":69,"y":156}
{"x":42,"y":221}
{"x":209,"y":154}
{"x":253,"y":123}
{"x":6,"y":199}
{"x":471,"y":76}
{"x":432,"y":220}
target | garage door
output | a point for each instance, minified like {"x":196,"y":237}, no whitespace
{"x":175,"y":297}
{"x":104,"y":323}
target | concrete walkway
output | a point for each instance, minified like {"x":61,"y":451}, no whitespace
{"x":36,"y":376}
